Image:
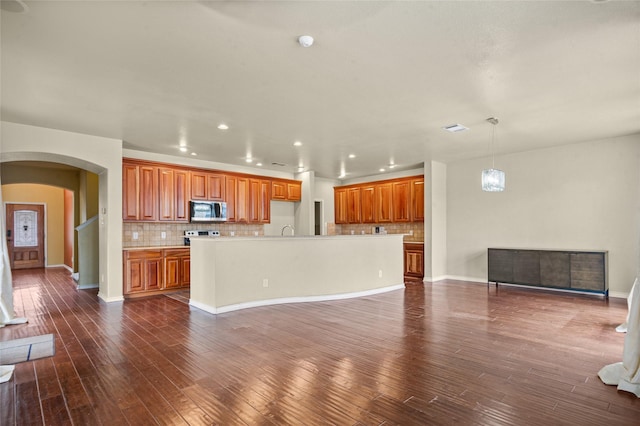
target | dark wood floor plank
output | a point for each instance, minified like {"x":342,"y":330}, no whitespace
{"x":445,"y":353}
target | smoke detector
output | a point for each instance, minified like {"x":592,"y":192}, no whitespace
{"x":305,"y":40}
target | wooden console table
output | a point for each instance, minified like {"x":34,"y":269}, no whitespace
{"x":573,"y":270}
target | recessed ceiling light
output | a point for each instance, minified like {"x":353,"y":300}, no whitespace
{"x":259,"y":164}
{"x":249,"y":160}
{"x":305,"y":40}
{"x":453,"y":128}
{"x":342,"y":175}
{"x":352,"y":156}
{"x":223,"y":126}
{"x":297,"y":143}
{"x":183,"y":149}
{"x":194,"y":154}
{"x":392,"y":166}
{"x":383,"y":170}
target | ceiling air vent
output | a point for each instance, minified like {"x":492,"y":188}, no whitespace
{"x":453,"y":128}
{"x":278,"y":164}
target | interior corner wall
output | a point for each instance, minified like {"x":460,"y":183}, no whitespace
{"x":579,"y":196}
{"x":324,"y":191}
{"x":438,"y":219}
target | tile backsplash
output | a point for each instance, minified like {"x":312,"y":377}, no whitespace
{"x":150,"y":233}
{"x":414,"y":228}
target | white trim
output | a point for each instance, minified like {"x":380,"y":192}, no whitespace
{"x":110,"y":299}
{"x":304,"y":299}
{"x":461,"y":278}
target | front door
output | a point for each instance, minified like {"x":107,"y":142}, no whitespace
{"x":25,"y":235}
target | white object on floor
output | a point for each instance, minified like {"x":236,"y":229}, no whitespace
{"x":5,"y":372}
{"x":622,"y":328}
{"x":626,"y":374}
{"x":27,"y":349}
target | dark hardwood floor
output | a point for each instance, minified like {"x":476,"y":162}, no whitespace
{"x":451,"y":353}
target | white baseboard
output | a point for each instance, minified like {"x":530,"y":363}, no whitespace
{"x":323,"y":298}
{"x":110,"y":299}
{"x":62,"y":265}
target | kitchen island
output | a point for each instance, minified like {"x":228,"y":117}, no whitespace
{"x":234,"y":273}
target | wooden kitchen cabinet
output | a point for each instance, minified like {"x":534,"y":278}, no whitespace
{"x":143,"y":270}
{"x":207,"y":186}
{"x":173,"y":195}
{"x":243,"y":206}
{"x":395,"y":200}
{"x":286,"y":190}
{"x":383,"y":203}
{"x":354,"y":205}
{"x":153,"y":271}
{"x":368,"y":204}
{"x":340,"y":205}
{"x":417,"y":200}
{"x":401,"y":201}
{"x":413,"y":262}
{"x":140,"y":192}
{"x":259,"y":200}
{"x":177,"y":268}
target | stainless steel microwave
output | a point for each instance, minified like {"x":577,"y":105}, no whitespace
{"x":208,"y":211}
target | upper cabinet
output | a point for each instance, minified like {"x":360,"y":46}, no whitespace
{"x":173,"y":194}
{"x":286,"y":190}
{"x":161,"y":192}
{"x":140,"y":192}
{"x":207,"y":186}
{"x":396,"y":200}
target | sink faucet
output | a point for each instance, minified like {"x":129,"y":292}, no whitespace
{"x":285,"y":227}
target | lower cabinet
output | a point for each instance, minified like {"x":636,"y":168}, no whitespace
{"x":413,"y":263}
{"x":152,"y":271}
{"x":560,"y":269}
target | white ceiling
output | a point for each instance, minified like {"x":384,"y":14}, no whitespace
{"x":381,"y":80}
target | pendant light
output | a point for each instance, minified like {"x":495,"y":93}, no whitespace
{"x":493,"y":179}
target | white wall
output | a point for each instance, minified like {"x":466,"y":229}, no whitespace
{"x":102,"y":156}
{"x":324,"y":191}
{"x":581,"y":196}
{"x":437,"y":219}
{"x":282,"y":213}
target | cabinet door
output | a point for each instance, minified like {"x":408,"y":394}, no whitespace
{"x":231,"y":197}
{"x":264,"y":212}
{"x":401,"y":201}
{"x":278,"y":190}
{"x":383,"y":203}
{"x":340,"y":205}
{"x":588,"y":271}
{"x":242,"y":200}
{"x":353,"y":205}
{"x":182,"y":190}
{"x":500,"y":266}
{"x":198,"y":185}
{"x":166,"y":194}
{"x":555,"y":269}
{"x":215,"y":187}
{"x":414,"y":260}
{"x":148,"y":193}
{"x":185,"y":270}
{"x":130,"y":192}
{"x":526,"y":267}
{"x":367,"y":194}
{"x":417,"y":200}
{"x":294,"y":191}
{"x":143,"y":271}
{"x":172,"y":272}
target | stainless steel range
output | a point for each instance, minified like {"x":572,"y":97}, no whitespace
{"x":189,"y":234}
